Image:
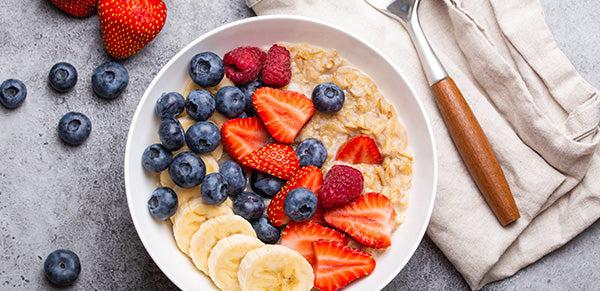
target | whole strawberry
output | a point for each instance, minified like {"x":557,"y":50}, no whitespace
{"x":341,"y":185}
{"x":78,"y":8}
{"x":129,"y":25}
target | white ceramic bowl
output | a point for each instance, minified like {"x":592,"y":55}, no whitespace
{"x":157,"y":235}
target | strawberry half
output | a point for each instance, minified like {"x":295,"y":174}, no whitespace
{"x":336,"y":264}
{"x":310,"y":178}
{"x":275,"y":159}
{"x":368,"y":219}
{"x":300,"y":236}
{"x":283,"y":112}
{"x":242,"y":136}
{"x":78,"y":8}
{"x":129,"y":25}
{"x":359,"y":150}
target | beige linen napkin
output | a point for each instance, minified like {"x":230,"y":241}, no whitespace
{"x":539,"y":115}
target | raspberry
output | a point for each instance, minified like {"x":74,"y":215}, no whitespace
{"x":276,"y":71}
{"x":341,"y":185}
{"x":243,"y":64}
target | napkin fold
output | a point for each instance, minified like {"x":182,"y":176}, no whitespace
{"x":540,"y":116}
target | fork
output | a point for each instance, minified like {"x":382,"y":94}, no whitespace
{"x":469,"y":139}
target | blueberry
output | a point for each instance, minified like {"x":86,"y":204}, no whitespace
{"x":200,"y":105}
{"x":171,"y":134}
{"x":248,"y":89}
{"x":230,"y":101}
{"x":203,"y":137}
{"x":206,"y":69}
{"x":74,"y":128}
{"x":109,"y":80}
{"x":300,"y":204}
{"x":265,"y":231}
{"x":233,"y":173}
{"x":265,"y":185}
{"x":169,"y":105}
{"x":328,"y":98}
{"x":187,"y":170}
{"x":311,"y":152}
{"x":248,"y":205}
{"x":62,"y":77}
{"x":156,"y":158}
{"x":12,"y":93}
{"x":214,"y":189}
{"x":163,"y":203}
{"x":62,"y":267}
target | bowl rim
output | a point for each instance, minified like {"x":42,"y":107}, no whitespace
{"x":159,"y":75}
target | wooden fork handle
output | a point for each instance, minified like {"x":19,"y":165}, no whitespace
{"x":475,"y":150}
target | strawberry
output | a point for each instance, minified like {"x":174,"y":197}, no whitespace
{"x":368,"y":219}
{"x":129,"y":25}
{"x":308,"y":177}
{"x":274,"y":159}
{"x":300,"y":236}
{"x":283,"y":112}
{"x":241,"y":136}
{"x":78,"y":8}
{"x":359,"y":150}
{"x":336,"y":264}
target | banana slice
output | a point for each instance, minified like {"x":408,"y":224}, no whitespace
{"x":165,"y":179}
{"x":210,"y":232}
{"x":212,"y":166}
{"x":190,"y":216}
{"x":186,"y":121}
{"x":184,"y":195}
{"x":275,"y":267}
{"x":225,"y":257}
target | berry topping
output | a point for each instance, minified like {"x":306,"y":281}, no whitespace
{"x":342,"y":184}
{"x":300,"y":204}
{"x":309,"y":177}
{"x":62,"y":267}
{"x":276,"y":71}
{"x":74,"y":128}
{"x":276,"y":159}
{"x":248,"y":90}
{"x":359,"y":150}
{"x":203,"y":137}
{"x":109,"y":80}
{"x":62,"y":77}
{"x":265,"y":231}
{"x":156,"y":158}
{"x":78,"y":8}
{"x":230,"y":101}
{"x":169,"y":105}
{"x":336,"y":265}
{"x":368,"y":219}
{"x":200,"y":105}
{"x":241,"y":136}
{"x":265,"y":185}
{"x":234,"y":175}
{"x":300,"y":236}
{"x":163,"y":203}
{"x":213,"y":189}
{"x":311,"y":152}
{"x":12,"y":93}
{"x":171,"y":134}
{"x":206,"y":69}
{"x":328,"y":98}
{"x":187,"y":170}
{"x":243,"y":64}
{"x":283,"y":112}
{"x":248,"y":205}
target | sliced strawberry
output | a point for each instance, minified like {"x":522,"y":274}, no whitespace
{"x":283,"y":112}
{"x":336,"y":264}
{"x":299,"y":236}
{"x":308,"y":177}
{"x":275,"y":159}
{"x":359,"y":150}
{"x":368,"y":219}
{"x":241,"y":136}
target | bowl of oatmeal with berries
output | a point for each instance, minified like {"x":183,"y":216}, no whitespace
{"x":280,"y":153}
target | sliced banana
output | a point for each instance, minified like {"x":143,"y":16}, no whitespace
{"x":165,"y":179}
{"x":212,"y":166}
{"x":210,"y":232}
{"x":225,"y":257}
{"x":190,"y":216}
{"x":275,"y":267}
{"x":184,"y":195}
{"x":186,"y":121}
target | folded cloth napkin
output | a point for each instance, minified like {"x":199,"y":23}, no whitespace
{"x":539,"y":115}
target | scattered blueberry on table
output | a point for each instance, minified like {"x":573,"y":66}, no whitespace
{"x":74,"y":128}
{"x":109,"y":80}
{"x":62,"y":77}
{"x":12,"y":93}
{"x":62,"y":267}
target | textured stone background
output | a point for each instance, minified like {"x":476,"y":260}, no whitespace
{"x":55,"y":196}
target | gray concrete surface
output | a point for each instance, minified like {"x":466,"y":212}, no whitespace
{"x":55,"y":196}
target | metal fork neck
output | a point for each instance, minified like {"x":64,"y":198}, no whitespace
{"x":434,"y":71}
